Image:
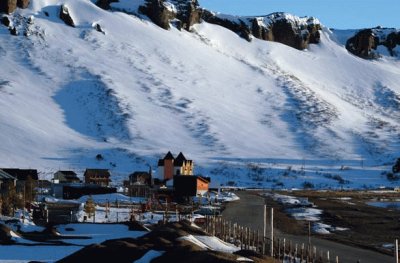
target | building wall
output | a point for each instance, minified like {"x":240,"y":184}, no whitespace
{"x":168,"y":169}
{"x":59,"y":176}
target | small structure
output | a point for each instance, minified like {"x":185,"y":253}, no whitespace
{"x":187,"y":186}
{"x":5,"y":180}
{"x":139,"y":184}
{"x":140,"y":177}
{"x":63,"y":177}
{"x":26,"y":181}
{"x":169,"y":166}
{"x":75,"y":191}
{"x":97,"y":176}
{"x":22,"y":174}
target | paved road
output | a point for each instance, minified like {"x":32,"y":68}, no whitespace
{"x":249,"y":212}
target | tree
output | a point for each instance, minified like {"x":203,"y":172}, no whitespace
{"x":9,"y":199}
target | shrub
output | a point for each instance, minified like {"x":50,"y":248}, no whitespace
{"x":308,"y":185}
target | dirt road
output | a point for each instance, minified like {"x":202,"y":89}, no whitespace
{"x":249,"y":212}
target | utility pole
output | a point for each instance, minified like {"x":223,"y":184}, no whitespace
{"x":396,"y":251}
{"x":272,"y":232}
{"x":265,"y":228}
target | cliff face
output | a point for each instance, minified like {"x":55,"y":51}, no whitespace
{"x":9,"y":6}
{"x":279,"y":27}
{"x":365,"y":42}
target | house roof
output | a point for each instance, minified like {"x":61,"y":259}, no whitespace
{"x":168,"y":156}
{"x":97,"y":172}
{"x":6,"y":176}
{"x":67,"y":173}
{"x":203,"y":179}
{"x":22,"y":174}
{"x":180,"y":159}
{"x":140,"y":173}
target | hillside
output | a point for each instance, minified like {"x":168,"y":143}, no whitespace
{"x":252,"y":112}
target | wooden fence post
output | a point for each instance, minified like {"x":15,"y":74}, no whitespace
{"x":272,"y":232}
{"x":265,"y":229}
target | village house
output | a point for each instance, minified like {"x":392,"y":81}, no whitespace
{"x":188,"y":186}
{"x":183,"y":182}
{"x":65,"y":177}
{"x":26,"y":180}
{"x":5,"y":180}
{"x":97,"y":176}
{"x":169,"y":166}
{"x":139,"y":184}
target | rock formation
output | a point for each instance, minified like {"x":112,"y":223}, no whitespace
{"x":160,"y":12}
{"x":8,"y":6}
{"x":364,"y":43}
{"x":66,"y":16}
{"x":23,"y":3}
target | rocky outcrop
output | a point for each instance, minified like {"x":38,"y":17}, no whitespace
{"x":8,"y":6}
{"x":23,"y":3}
{"x":105,"y":4}
{"x":392,"y":41}
{"x":188,"y":12}
{"x":238,"y":26}
{"x":5,"y":20}
{"x":279,"y":27}
{"x":66,"y":16}
{"x":365,"y":42}
{"x":160,"y":12}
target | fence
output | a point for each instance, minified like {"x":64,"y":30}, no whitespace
{"x":283,"y":249}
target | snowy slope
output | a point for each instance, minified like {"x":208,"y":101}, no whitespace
{"x":235,"y":107}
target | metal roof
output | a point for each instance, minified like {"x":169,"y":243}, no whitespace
{"x":4,"y":175}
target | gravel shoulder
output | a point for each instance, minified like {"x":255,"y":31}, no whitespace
{"x":248,"y":211}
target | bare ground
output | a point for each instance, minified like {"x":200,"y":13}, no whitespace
{"x":369,"y":227}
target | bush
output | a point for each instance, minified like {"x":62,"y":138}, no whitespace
{"x":392,"y":177}
{"x":396,"y":166}
{"x":308,"y":185}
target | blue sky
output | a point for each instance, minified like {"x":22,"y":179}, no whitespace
{"x":340,"y":14}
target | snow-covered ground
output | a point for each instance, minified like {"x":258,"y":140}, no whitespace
{"x":302,"y":209}
{"x":249,"y":113}
{"x":211,"y":243}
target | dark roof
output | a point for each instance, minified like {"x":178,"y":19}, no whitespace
{"x":67,"y":173}
{"x":6,"y":176}
{"x":206,"y":180}
{"x":179,"y":159}
{"x":22,"y":174}
{"x":71,"y":175}
{"x":169,"y":156}
{"x":140,"y":173}
{"x":97,"y":172}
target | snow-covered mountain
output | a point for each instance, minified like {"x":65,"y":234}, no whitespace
{"x":250,"y":112}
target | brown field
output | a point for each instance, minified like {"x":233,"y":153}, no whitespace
{"x":369,"y":227}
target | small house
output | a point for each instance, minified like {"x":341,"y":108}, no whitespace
{"x":6,"y":180}
{"x":170,"y":166}
{"x":187,"y":186}
{"x":65,"y":177}
{"x":22,"y":174}
{"x":97,"y":176}
{"x":139,"y":184}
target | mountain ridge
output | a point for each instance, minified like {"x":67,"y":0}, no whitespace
{"x":135,"y":91}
